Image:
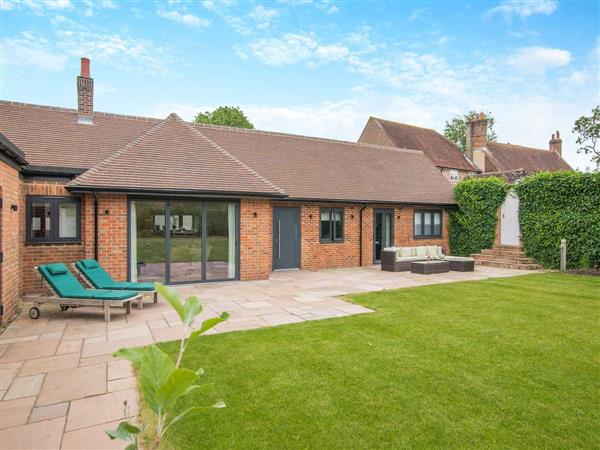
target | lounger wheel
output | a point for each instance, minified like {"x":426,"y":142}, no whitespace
{"x":34,"y":312}
{"x":64,"y":307}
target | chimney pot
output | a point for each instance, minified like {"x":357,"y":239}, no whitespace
{"x":85,"y":67}
{"x":555,"y":144}
{"x":85,"y":94}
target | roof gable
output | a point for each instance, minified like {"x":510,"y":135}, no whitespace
{"x":175,"y":156}
{"x":508,"y":157}
{"x":438,"y":149}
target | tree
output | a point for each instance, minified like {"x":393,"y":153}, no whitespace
{"x":231,"y":116}
{"x":588,"y":135}
{"x":455,"y":129}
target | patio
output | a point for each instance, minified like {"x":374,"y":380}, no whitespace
{"x":61,"y":388}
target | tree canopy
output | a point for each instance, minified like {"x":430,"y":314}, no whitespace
{"x":587,"y":130}
{"x":231,"y":116}
{"x":455,"y":129}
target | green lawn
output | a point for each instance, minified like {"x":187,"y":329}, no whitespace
{"x":500,"y":363}
{"x":151,"y":249}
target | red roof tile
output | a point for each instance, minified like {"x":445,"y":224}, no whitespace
{"x":508,"y":157}
{"x":438,"y":149}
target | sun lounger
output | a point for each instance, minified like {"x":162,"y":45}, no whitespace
{"x":95,"y":276}
{"x":66,"y":291}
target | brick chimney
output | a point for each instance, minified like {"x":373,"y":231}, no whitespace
{"x":85,"y":94}
{"x":476,"y":133}
{"x":555,"y":144}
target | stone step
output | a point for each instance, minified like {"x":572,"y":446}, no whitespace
{"x":508,"y":265}
{"x":503,"y":258}
{"x":511,"y":251}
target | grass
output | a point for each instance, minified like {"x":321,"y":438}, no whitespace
{"x":500,"y":363}
{"x":151,"y":249}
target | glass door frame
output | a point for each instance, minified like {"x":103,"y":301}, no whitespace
{"x":382,"y":211}
{"x":167,"y":201}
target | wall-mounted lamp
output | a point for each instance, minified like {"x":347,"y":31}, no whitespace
{"x":106,"y":212}
{"x":352,"y":216}
{"x":255,"y":214}
{"x":310,"y":216}
{"x":14,"y":207}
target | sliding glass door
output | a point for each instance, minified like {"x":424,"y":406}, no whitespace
{"x":198,"y":242}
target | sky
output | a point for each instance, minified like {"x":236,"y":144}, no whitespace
{"x":319,"y":67}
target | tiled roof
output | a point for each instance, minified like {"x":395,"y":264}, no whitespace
{"x":12,"y":151}
{"x":507,"y":157}
{"x":52,"y":137}
{"x":438,"y":149}
{"x":313,"y":168}
{"x":137,"y":152}
{"x":174,"y":156}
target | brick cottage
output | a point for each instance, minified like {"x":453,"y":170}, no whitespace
{"x":180,"y":202}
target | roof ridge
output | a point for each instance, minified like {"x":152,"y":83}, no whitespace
{"x":121,"y":151}
{"x":226,"y":153}
{"x":523,"y":147}
{"x":72,"y":110}
{"x":298,"y":136}
{"x":407,"y":125}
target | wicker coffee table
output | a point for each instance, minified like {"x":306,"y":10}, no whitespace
{"x":429,"y":267}
{"x":460,"y":264}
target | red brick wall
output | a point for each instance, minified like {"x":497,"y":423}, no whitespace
{"x":35,"y":254}
{"x":112,"y":233}
{"x":256,"y":239}
{"x":403,"y":229}
{"x":10,"y":225}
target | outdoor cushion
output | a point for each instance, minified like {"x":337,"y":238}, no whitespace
{"x":57,"y":269}
{"x":440,"y":251}
{"x":432,"y":250}
{"x":90,"y":263}
{"x":67,"y":286}
{"x":99,"y":278}
{"x":421,"y":251}
{"x":405,"y":252}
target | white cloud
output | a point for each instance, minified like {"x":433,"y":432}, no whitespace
{"x":114,"y":50}
{"x":263,"y":16}
{"x":29,"y":49}
{"x":293,"y":48}
{"x":185,"y":18}
{"x":523,"y":8}
{"x":238,"y":24}
{"x":417,"y":14}
{"x":332,"y":10}
{"x":577,"y":77}
{"x":443,"y":40}
{"x":539,"y":59}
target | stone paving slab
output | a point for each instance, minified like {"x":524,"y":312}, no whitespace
{"x":60,"y":386}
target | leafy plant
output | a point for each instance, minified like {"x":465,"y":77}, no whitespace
{"x":231,"y":116}
{"x":588,"y":135}
{"x":584,"y":263}
{"x":472,"y":226}
{"x":162,"y":381}
{"x":560,"y":205}
{"x":455,"y":129}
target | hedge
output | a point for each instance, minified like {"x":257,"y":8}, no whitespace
{"x":472,"y":226}
{"x":561,"y":205}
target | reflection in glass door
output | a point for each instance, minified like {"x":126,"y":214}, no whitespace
{"x":147,"y":241}
{"x":185,"y":243}
{"x":198,"y":242}
{"x":220,"y":240}
{"x":383,"y":231}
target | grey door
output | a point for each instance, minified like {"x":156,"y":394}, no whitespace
{"x":286,"y":238}
{"x":383,"y":231}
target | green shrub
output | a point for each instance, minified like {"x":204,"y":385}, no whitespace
{"x":561,"y":205}
{"x":472,"y":226}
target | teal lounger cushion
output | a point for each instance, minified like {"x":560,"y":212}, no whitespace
{"x":67,"y":286}
{"x":99,"y":278}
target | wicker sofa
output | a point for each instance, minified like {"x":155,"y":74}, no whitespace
{"x":399,"y":259}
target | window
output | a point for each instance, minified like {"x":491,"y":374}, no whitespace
{"x":332,"y":224}
{"x":453,"y":175}
{"x":427,"y":224}
{"x":53,"y":219}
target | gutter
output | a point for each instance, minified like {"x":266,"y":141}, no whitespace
{"x":95,"y":226}
{"x":360,"y":235}
{"x":171,"y":192}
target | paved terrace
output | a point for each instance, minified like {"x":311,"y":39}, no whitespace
{"x":61,"y":388}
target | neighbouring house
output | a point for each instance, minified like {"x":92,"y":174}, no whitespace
{"x":445,"y":155}
{"x":482,"y":158}
{"x":508,"y":160}
{"x":179,"y":202}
